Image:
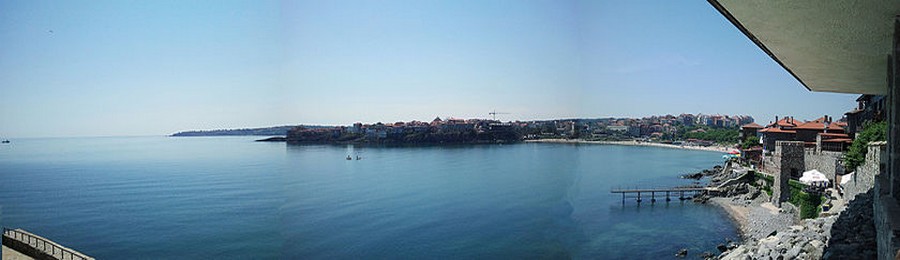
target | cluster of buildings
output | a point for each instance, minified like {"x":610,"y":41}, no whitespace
{"x":381,"y":130}
{"x":646,"y":127}
{"x":794,"y":146}
{"x":665,"y":126}
{"x":401,"y":129}
{"x":716,"y":120}
{"x":822,"y":132}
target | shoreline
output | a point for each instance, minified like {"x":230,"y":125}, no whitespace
{"x":755,"y":218}
{"x":712,"y":148}
{"x":737,"y":214}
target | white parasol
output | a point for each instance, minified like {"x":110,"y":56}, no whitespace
{"x":812,"y":176}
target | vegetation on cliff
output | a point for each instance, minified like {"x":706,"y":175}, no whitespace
{"x":856,"y":155}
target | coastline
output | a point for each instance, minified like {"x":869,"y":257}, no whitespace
{"x":755,"y":218}
{"x":737,"y":214}
{"x":712,"y":148}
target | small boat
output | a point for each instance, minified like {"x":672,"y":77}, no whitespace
{"x":5,"y":141}
{"x":349,"y":158}
{"x":358,"y":158}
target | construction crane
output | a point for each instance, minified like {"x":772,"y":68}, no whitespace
{"x":495,"y":113}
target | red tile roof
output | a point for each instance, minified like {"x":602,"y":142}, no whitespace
{"x":813,"y":125}
{"x":834,"y":135}
{"x":776,"y":130}
{"x":752,"y":126}
{"x":785,"y":122}
{"x":819,"y":120}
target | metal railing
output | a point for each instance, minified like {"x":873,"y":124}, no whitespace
{"x":43,"y":245}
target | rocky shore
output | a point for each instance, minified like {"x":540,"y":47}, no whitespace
{"x":769,"y":232}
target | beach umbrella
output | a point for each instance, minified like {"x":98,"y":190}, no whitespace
{"x":734,"y":152}
{"x":812,"y":176}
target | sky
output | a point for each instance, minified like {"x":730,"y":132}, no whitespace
{"x":123,"y":68}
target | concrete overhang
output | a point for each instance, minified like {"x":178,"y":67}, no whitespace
{"x":829,"y":46}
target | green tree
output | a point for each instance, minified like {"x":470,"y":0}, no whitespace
{"x":719,"y":135}
{"x":549,"y":128}
{"x":856,"y":155}
{"x":750,"y":141}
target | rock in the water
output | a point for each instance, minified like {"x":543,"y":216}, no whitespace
{"x":695,"y":176}
{"x":722,"y":248}
{"x":681,"y":253}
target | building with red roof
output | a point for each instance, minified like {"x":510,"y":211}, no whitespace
{"x":812,"y":133}
{"x":750,"y":129}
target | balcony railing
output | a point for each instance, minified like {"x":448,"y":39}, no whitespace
{"x":42,"y":245}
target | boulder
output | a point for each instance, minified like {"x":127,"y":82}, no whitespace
{"x":682,"y":253}
{"x":695,"y":176}
{"x":722,"y":248}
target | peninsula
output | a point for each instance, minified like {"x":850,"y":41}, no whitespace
{"x":451,"y":131}
{"x":706,"y":132}
{"x":261,"y":131}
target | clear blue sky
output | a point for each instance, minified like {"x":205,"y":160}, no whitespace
{"x":98,"y":68}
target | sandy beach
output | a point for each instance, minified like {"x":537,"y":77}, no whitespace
{"x":755,"y":219}
{"x":737,"y":213}
{"x":713,"y":148}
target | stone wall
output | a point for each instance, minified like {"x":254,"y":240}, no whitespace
{"x":886,"y":212}
{"x":826,"y":162}
{"x":770,"y":164}
{"x":863,"y":179}
{"x":790,"y":155}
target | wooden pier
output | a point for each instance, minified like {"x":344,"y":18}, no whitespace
{"x":669,"y":192}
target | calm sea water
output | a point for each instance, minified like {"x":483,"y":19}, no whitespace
{"x":230,"y":197}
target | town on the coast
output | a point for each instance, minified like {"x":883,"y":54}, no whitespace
{"x":684,"y":129}
{"x":785,"y":182}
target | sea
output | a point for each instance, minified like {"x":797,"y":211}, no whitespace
{"x":233,"y":198}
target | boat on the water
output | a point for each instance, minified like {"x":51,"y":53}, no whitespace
{"x":5,"y":141}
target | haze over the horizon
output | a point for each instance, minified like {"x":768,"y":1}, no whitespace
{"x":97,"y":68}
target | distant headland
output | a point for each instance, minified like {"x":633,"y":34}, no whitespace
{"x":262,"y":131}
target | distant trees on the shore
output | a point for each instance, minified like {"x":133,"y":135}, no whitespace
{"x":719,"y":135}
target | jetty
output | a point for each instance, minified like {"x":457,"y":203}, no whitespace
{"x":21,"y":244}
{"x":669,"y":192}
{"x":737,"y":174}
